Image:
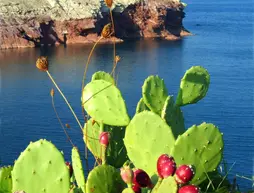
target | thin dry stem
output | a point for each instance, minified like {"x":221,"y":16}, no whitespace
{"x":68,"y":137}
{"x":96,"y":94}
{"x":68,"y":105}
{"x":65,"y":100}
{"x":117,"y":59}
{"x":114,"y":43}
{"x":84,"y":76}
{"x":88,"y":61}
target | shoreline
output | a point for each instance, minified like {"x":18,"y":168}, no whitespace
{"x":161,"y":19}
{"x":106,"y":41}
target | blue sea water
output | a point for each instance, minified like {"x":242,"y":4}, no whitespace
{"x":223,"y":43}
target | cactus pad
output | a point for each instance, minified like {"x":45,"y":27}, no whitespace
{"x":128,"y":190}
{"x":116,"y":151}
{"x":200,"y":146}
{"x":104,"y":103}
{"x":141,"y":106}
{"x":146,"y":138}
{"x":78,"y":169}
{"x":173,"y":115}
{"x":167,"y":185}
{"x":41,"y":168}
{"x":5,"y":179}
{"x":154,"y":93}
{"x":194,"y":86}
{"x":104,"y":179}
{"x":101,"y":75}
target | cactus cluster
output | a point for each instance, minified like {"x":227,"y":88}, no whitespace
{"x":156,"y":130}
{"x":159,"y":128}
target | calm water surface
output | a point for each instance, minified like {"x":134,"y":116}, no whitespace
{"x":222,"y":44}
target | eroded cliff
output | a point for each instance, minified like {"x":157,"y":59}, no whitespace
{"x":41,"y":22}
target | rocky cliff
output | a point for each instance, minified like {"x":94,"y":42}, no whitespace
{"x":42,"y":22}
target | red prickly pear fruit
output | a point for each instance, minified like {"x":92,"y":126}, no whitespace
{"x":141,"y":179}
{"x":164,"y":158}
{"x":126,"y":174}
{"x":104,"y":138}
{"x":69,"y":166}
{"x":136,"y":189}
{"x":184,"y":174}
{"x":189,"y":189}
{"x":166,"y":169}
{"x":166,"y":166}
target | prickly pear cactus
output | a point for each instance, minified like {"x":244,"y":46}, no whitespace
{"x":141,"y":106}
{"x":146,"y":138}
{"x":101,"y":75}
{"x":5,"y":179}
{"x":200,"y":146}
{"x":116,"y":151}
{"x":78,"y":169}
{"x":167,"y":185}
{"x":104,"y":103}
{"x":128,"y":190}
{"x":194,"y":86}
{"x":154,"y":93}
{"x":41,"y":168}
{"x":173,"y":115}
{"x":104,"y":179}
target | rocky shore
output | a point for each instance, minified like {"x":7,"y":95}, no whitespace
{"x":52,"y":22}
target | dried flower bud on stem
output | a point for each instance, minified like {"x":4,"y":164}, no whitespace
{"x":52,"y":92}
{"x":109,"y":3}
{"x":118,"y":58}
{"x":107,"y":31}
{"x":42,"y":63}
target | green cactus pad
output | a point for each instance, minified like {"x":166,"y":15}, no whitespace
{"x":146,"y":138}
{"x":104,"y":179}
{"x":91,"y":137}
{"x":128,"y":190}
{"x":141,"y":106}
{"x":116,"y":151}
{"x":104,"y":103}
{"x":41,"y":168}
{"x":168,"y":185}
{"x":173,"y":116}
{"x":154,"y":93}
{"x":200,"y":146}
{"x":194,"y":86}
{"x":101,"y":75}
{"x":78,"y":169}
{"x":5,"y":180}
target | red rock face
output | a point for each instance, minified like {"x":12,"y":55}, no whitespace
{"x":136,"y":21}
